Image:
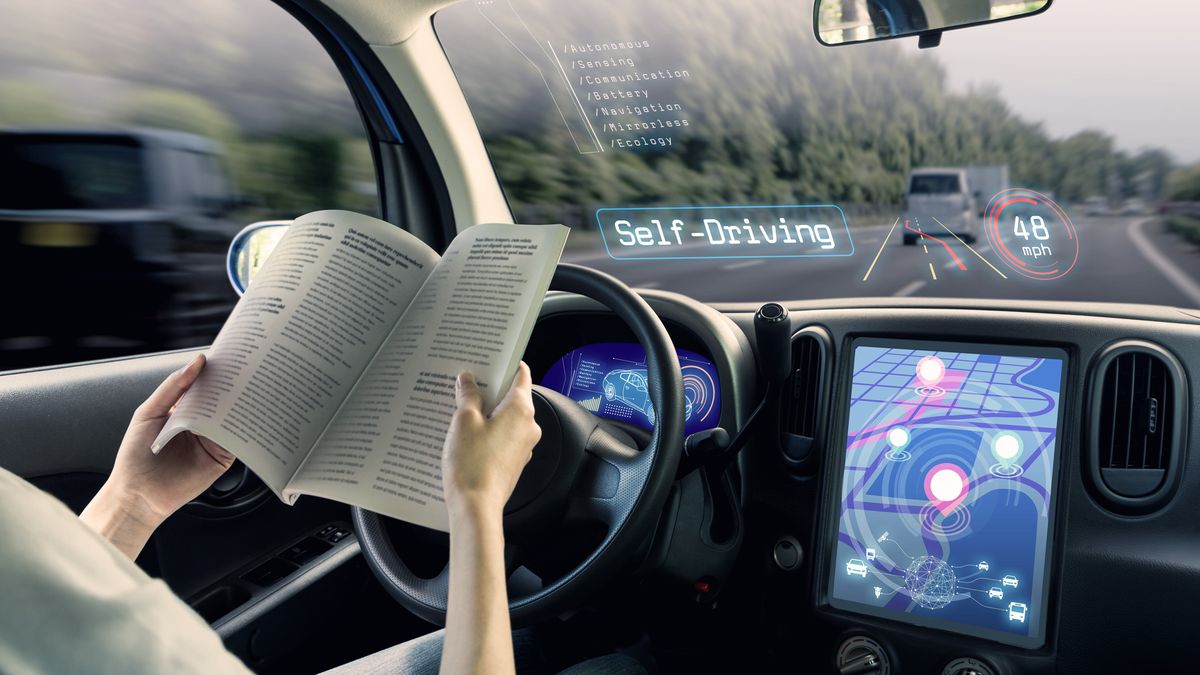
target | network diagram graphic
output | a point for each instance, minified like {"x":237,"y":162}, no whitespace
{"x":946,"y":489}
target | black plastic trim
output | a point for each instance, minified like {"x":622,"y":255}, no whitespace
{"x":261,"y":601}
{"x":1166,"y":489}
{"x":802,"y":464}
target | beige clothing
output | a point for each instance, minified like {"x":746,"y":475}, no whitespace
{"x":72,"y":603}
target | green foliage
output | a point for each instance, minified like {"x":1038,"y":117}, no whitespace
{"x":178,"y":110}
{"x":1187,"y":227}
{"x":27,"y":104}
{"x":316,"y":167}
{"x":291,"y":174}
{"x":1183,"y":185}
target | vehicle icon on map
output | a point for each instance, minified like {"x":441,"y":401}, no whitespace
{"x":1009,"y":580}
{"x":983,"y":566}
{"x":630,"y":387}
{"x":855,"y":566}
{"x":1016,"y":611}
{"x":994,"y":592}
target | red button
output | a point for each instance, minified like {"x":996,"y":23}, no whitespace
{"x":702,"y":587}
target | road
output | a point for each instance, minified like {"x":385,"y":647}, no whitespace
{"x":1121,"y":259}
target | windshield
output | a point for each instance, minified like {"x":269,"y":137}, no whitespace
{"x":714,"y":148}
{"x":70,"y":173}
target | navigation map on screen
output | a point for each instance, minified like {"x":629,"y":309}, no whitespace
{"x":946,"y":493}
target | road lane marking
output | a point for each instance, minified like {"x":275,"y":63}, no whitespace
{"x":924,"y":235}
{"x":931,"y":272}
{"x":741,"y":265}
{"x":647,"y":284}
{"x":985,"y":260}
{"x":881,"y":246}
{"x":909,"y":289}
{"x":1176,"y":276}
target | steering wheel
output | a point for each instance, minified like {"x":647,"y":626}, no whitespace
{"x":584,"y":470}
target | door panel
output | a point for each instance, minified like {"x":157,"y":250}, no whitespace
{"x":62,"y":427}
{"x":70,"y":420}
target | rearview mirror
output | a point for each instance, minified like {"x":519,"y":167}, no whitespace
{"x":250,"y":249}
{"x":839,"y":22}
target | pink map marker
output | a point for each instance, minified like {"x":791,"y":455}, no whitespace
{"x":930,"y":371}
{"x":946,"y":486}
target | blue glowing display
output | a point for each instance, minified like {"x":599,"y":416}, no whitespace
{"x":609,"y":379}
{"x":946,"y":493}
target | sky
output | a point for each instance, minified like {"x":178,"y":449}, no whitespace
{"x":1128,"y":67}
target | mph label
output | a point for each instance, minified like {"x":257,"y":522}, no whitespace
{"x":706,"y":232}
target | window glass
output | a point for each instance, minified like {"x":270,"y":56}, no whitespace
{"x":136,"y":139}
{"x":934,"y":184}
{"x":716,"y":149}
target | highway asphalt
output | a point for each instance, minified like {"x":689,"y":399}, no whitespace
{"x":1121,"y":259}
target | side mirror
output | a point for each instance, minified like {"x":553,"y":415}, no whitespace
{"x":839,"y":22}
{"x":250,"y":249}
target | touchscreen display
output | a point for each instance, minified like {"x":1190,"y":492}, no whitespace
{"x":609,"y":379}
{"x":946,"y":488}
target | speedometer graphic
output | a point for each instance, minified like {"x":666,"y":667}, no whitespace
{"x":700,"y":391}
{"x":1033,"y":235}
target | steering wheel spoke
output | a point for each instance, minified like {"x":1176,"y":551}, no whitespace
{"x":614,"y":466}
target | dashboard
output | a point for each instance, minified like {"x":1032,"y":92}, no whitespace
{"x":981,"y":484}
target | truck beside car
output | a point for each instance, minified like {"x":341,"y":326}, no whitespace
{"x":122,"y":232}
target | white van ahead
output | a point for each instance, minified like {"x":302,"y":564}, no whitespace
{"x":940,"y":199}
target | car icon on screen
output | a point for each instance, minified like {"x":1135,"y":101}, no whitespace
{"x":855,"y":566}
{"x":994,"y":592}
{"x":631,"y":388}
{"x":983,"y":566}
{"x":1009,"y":580}
{"x":1016,"y":611}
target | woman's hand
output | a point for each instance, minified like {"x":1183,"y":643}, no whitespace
{"x":481,"y":461}
{"x":484,"y":455}
{"x":145,"y":488}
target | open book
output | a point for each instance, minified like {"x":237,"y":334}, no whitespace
{"x":334,"y":375}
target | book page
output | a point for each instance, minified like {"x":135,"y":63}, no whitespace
{"x":383,"y":449}
{"x":300,"y":337}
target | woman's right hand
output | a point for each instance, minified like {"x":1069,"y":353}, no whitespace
{"x":484,"y":455}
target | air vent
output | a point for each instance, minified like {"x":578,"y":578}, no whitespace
{"x":801,"y":401}
{"x":1137,"y":419}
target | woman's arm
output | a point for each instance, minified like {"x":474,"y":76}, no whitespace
{"x":482,"y":459}
{"x":144,"y":488}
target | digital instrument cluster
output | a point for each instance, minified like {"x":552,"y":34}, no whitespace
{"x":609,"y":379}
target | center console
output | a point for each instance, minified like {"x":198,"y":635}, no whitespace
{"x":944,"y":486}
